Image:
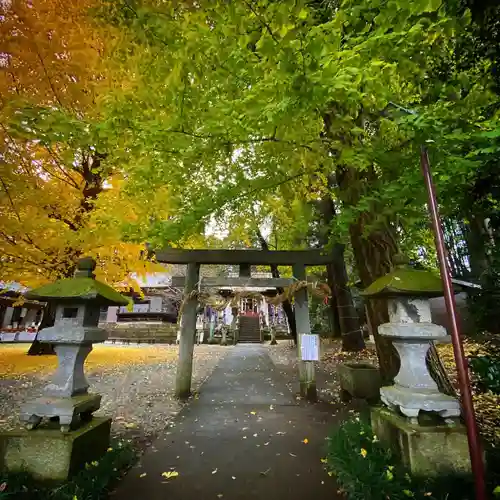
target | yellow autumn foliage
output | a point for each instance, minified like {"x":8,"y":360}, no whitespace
{"x":15,"y":363}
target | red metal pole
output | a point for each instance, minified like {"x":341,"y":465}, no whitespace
{"x":475,"y":451}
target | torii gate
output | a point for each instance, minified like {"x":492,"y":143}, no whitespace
{"x":298,"y":259}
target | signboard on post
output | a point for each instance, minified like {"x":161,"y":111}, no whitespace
{"x":309,"y":347}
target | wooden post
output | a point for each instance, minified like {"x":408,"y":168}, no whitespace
{"x":306,"y":368}
{"x":188,"y":329}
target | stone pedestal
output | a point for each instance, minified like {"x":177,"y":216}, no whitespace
{"x":49,"y":455}
{"x":66,"y":397}
{"x":432,"y":450}
{"x":71,"y":412}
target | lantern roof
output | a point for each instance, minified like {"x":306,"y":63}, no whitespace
{"x":83,"y":287}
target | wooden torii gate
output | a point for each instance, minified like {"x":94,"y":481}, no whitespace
{"x":298,"y":259}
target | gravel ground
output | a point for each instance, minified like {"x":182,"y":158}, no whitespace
{"x":284,"y":357}
{"x":139,"y":397}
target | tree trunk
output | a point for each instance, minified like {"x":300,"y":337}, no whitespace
{"x":342,"y":306}
{"x":333,"y":303}
{"x":287,"y":306}
{"x":476,"y":243}
{"x":38,"y":348}
{"x":373,"y":253}
{"x":438,"y":372}
{"x":352,"y":336}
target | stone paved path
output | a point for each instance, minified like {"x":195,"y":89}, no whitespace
{"x":242,"y":439}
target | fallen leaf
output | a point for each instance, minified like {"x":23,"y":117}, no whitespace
{"x":253,"y":413}
{"x":255,"y":435}
{"x":324,"y":461}
{"x":265,"y":444}
{"x":305,"y":441}
{"x":170,"y":474}
{"x":214,"y":471}
{"x":131,"y":425}
{"x":144,"y":474}
{"x":233,"y":478}
{"x":265,"y":472}
{"x":220,"y":495}
{"x":292,"y":455}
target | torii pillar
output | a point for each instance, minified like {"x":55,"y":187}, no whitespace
{"x":188,"y":329}
{"x":307,"y":376}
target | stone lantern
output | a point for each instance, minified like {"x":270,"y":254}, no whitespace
{"x":78,"y":302}
{"x":425,"y":449}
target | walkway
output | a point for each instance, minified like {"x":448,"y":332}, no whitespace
{"x":246,"y":437}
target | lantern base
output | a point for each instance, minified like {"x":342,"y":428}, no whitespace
{"x":411,"y":401}
{"x":426,"y":450}
{"x":70,"y":411}
{"x":49,"y":455}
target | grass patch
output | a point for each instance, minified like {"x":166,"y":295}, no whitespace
{"x":15,"y":362}
{"x":366,"y":470}
{"x":92,"y":483}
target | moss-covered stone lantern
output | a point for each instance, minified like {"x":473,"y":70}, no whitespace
{"x":408,"y":292}
{"x":426,"y":445}
{"x":78,"y":302}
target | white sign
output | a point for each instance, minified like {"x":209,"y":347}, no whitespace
{"x":309,"y":347}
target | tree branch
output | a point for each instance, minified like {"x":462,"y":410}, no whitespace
{"x":261,"y":21}
{"x":225,"y":142}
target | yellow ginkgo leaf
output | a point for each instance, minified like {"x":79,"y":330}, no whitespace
{"x":324,"y":461}
{"x":170,"y":474}
{"x":253,"y":413}
{"x":363,"y":452}
{"x":305,"y":441}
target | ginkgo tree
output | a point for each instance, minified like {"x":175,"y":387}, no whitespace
{"x":228,"y":100}
{"x":61,"y":193}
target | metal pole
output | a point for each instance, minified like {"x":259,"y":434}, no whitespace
{"x":475,"y":451}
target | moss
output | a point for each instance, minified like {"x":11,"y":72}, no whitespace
{"x":78,"y":288}
{"x":406,"y":281}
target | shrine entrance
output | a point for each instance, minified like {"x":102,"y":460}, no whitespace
{"x":308,"y":344}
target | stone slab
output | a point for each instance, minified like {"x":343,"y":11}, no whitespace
{"x":425,"y":450}
{"x":67,"y":409}
{"x":411,"y":401}
{"x":72,"y":334}
{"x":49,"y":455}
